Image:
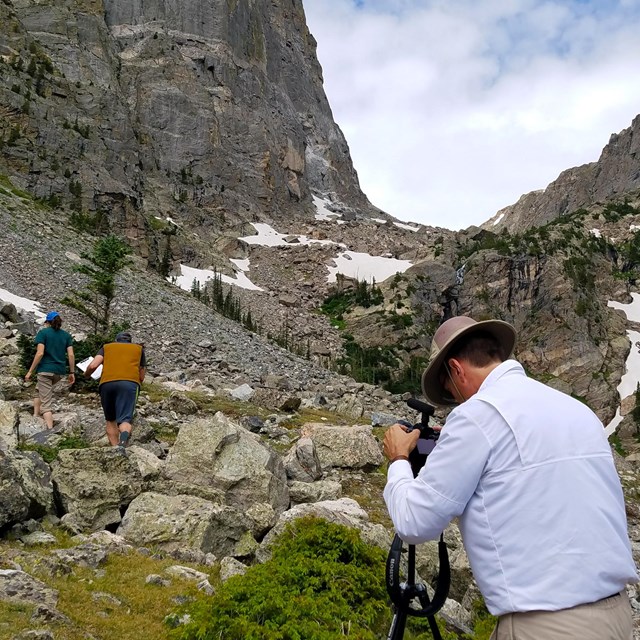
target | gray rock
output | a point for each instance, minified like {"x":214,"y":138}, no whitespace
{"x":101,"y":597}
{"x":87,"y":555}
{"x":37,"y":538}
{"x":220,"y":454}
{"x":180,"y":403}
{"x":244,"y":392}
{"x":25,"y":486}
{"x":9,"y":423}
{"x":7,"y":347}
{"x":175,"y":522}
{"x":302,"y":492}
{"x":149,"y":465}
{"x":9,"y":312}
{"x":302,"y":462}
{"x":45,"y":615}
{"x":263,"y":517}
{"x":379,"y":419}
{"x":93,"y":485}
{"x":21,"y":588}
{"x":231,"y":567}
{"x":252,"y":423}
{"x":157,"y":580}
{"x":35,"y":634}
{"x":185,"y":573}
{"x":348,"y":447}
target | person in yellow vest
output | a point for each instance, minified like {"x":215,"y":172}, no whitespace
{"x":123,"y":368}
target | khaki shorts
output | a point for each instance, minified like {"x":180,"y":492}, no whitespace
{"x":607,"y":619}
{"x":44,"y":387}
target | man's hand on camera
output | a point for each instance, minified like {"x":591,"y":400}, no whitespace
{"x":397,"y":442}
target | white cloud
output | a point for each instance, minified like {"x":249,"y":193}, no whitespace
{"x":452,"y":110}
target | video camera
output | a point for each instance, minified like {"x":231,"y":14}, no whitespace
{"x":403,"y":593}
{"x":428,"y":436}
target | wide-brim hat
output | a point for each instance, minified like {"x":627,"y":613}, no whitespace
{"x":447,"y":335}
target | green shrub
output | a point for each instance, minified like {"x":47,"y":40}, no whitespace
{"x":322,"y":582}
{"x":27,"y":351}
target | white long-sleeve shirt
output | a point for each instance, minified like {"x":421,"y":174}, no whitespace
{"x":530,"y":473}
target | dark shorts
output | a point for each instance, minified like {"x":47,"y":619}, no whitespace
{"x":118,"y":400}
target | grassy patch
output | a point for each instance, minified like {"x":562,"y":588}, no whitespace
{"x":10,"y":189}
{"x":49,"y":454}
{"x":320,"y":415}
{"x":139,"y":616}
{"x":367,"y":491}
{"x":154,"y":392}
{"x":234,"y":408}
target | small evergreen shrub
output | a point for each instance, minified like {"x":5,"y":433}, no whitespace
{"x":323,"y":582}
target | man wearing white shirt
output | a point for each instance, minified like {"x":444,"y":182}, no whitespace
{"x":530,"y":474}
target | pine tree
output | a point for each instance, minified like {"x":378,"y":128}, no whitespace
{"x":108,"y":257}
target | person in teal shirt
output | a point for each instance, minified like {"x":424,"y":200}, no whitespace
{"x":53,"y":347}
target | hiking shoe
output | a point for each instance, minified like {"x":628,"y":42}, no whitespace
{"x":121,"y":450}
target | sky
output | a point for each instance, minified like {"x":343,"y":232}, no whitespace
{"x":453,"y":109}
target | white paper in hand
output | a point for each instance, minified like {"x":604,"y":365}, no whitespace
{"x":83,"y":367}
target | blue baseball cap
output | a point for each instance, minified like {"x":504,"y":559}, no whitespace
{"x":51,"y":315}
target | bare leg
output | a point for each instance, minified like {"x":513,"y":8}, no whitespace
{"x":37,"y":403}
{"x":48,"y":419}
{"x":112,"y":432}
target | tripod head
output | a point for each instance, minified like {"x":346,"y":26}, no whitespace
{"x":403,"y":593}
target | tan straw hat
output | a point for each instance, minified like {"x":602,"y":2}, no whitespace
{"x":447,"y":336}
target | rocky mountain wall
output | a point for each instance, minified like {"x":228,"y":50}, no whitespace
{"x":616,"y":172}
{"x":211,"y":112}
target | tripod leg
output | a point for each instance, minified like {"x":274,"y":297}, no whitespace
{"x":398,"y":624}
{"x":433,"y":625}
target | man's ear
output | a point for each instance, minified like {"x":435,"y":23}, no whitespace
{"x":456,"y":365}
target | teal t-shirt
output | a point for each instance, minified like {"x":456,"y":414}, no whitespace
{"x":55,"y":350}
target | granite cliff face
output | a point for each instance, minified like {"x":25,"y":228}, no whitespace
{"x":211,"y":112}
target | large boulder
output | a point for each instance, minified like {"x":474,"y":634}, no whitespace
{"x":215,"y":456}
{"x":25,"y":487}
{"x":93,"y":485}
{"x":173,"y":523}
{"x":346,"y":447}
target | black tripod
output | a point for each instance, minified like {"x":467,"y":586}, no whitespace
{"x":403,"y":594}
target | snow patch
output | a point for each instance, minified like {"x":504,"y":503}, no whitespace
{"x":322,"y":213}
{"x":364,"y":266}
{"x":631,"y":377}
{"x":189,"y":274}
{"x":269,"y":237}
{"x":23,"y":304}
{"x":406,"y":226}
